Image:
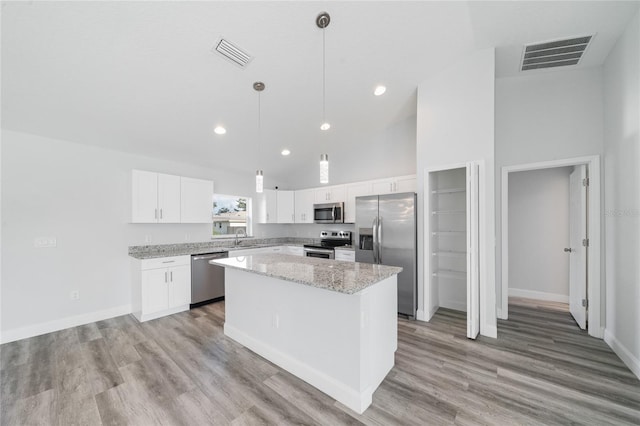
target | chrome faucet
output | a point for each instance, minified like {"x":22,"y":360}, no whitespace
{"x":240,"y":231}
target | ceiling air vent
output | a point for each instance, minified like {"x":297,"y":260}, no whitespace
{"x":552,"y":54}
{"x":233,"y":53}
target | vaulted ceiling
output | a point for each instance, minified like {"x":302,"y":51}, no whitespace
{"x":141,"y":76}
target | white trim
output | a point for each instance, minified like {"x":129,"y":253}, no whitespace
{"x":61,"y":324}
{"x":455,"y":305}
{"x":358,"y":402}
{"x":420,"y":315}
{"x":594,"y":230}
{"x":625,"y":354}
{"x":163,"y":313}
{"x":538,"y":295}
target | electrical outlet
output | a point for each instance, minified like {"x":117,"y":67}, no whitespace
{"x":74,"y":295}
{"x":276,"y":321}
{"x":42,"y":242}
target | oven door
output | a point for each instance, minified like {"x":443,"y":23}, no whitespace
{"x":319,"y":253}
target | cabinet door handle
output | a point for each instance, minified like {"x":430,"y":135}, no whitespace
{"x":156,"y":213}
{"x":160,"y":213}
{"x":391,"y":187}
{"x":171,"y":275}
{"x":165,"y":277}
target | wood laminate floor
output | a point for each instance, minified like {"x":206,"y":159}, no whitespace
{"x":182,"y":370}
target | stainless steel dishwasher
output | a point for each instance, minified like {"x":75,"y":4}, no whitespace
{"x":207,"y":281}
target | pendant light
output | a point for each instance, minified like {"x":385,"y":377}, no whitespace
{"x":259,"y":86}
{"x":322,"y":21}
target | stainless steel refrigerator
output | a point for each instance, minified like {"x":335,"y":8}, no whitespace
{"x":386,"y":235}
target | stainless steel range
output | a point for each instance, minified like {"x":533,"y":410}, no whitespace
{"x":328,"y":241}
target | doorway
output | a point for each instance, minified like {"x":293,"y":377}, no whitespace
{"x":451,"y":242}
{"x":583,"y":251}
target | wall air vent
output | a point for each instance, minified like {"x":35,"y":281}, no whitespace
{"x":552,"y":54}
{"x":233,"y":53}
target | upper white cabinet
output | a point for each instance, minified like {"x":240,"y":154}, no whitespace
{"x":285,"y":206}
{"x":304,"y":200}
{"x":155,"y":197}
{"x":196,"y":200}
{"x":162,"y":198}
{"x":395,"y":185}
{"x":354,"y":190}
{"x":268,"y":206}
{"x":330,"y":194}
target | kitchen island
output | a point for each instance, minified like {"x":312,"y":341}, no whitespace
{"x":333,"y":324}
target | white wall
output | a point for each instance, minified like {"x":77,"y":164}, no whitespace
{"x":622,"y":196}
{"x":543,"y":117}
{"x":455,"y":125}
{"x":79,"y":195}
{"x":538,"y":233}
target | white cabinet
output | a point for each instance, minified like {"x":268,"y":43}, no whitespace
{"x":285,"y":206}
{"x":196,"y":200}
{"x":162,"y":198}
{"x":268,"y":207}
{"x":155,"y":197}
{"x":294,"y":250}
{"x":160,"y":286}
{"x":345,"y":255}
{"x":304,"y":200}
{"x":330,"y":194}
{"x":395,"y":185}
{"x":354,"y":190}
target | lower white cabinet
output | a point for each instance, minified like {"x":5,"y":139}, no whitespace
{"x":294,"y":250}
{"x":345,"y":255}
{"x":160,"y":286}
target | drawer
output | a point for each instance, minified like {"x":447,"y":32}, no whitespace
{"x":165,"y":262}
{"x":346,"y":255}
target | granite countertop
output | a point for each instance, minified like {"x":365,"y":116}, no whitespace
{"x":335,"y":275}
{"x":215,"y":246}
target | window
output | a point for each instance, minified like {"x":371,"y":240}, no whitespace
{"x":230,"y":214}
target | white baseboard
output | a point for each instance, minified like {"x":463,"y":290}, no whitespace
{"x":420,"y":315}
{"x":625,"y":354}
{"x":357,"y":401}
{"x":453,"y":304}
{"x":489,"y":330}
{"x":60,"y":324}
{"x":538,"y":295}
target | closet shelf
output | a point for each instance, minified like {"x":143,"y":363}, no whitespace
{"x":448,"y":212}
{"x":448,"y":190}
{"x":449,"y":233}
{"x":448,"y":273}
{"x":449,"y":253}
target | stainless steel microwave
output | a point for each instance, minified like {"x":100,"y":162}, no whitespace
{"x":328,"y":213}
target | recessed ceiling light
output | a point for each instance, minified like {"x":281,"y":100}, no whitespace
{"x":220,"y":130}
{"x":325,"y":126}
{"x":285,"y":152}
{"x":379,"y":90}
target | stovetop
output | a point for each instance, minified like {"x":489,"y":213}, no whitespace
{"x":332,"y":239}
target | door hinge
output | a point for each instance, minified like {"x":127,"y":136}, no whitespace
{"x":585,"y":242}
{"x":585,"y":182}
{"x":585,"y":303}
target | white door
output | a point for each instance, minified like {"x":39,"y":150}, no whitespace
{"x":144,"y":200}
{"x":355,"y":190}
{"x":473,"y":229}
{"x":168,"y":198}
{"x":179,"y":286}
{"x":196,"y":200}
{"x":578,"y":253}
{"x":285,"y":203}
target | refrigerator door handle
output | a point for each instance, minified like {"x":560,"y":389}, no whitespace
{"x":379,"y":240}
{"x":374,"y":228}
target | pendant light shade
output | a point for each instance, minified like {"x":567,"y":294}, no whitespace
{"x":259,"y":181}
{"x":324,"y":168}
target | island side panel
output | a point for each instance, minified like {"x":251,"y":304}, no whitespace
{"x":380,"y":334}
{"x":318,"y":335}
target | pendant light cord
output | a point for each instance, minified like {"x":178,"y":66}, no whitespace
{"x":324,"y":77}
